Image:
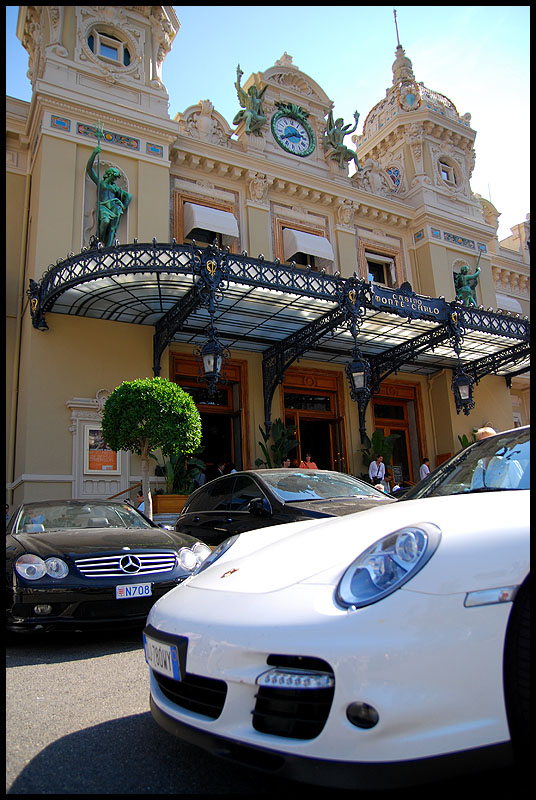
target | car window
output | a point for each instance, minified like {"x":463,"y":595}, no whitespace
{"x":215,"y":496}
{"x":42,"y":517}
{"x":295,"y":485}
{"x":245,"y":490}
{"x":498,"y":463}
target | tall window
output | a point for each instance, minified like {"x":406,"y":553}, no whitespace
{"x":381,"y":269}
{"x":205,"y":223}
{"x":379,"y":263}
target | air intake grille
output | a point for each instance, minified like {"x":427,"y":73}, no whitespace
{"x":122,"y":564}
{"x":293,"y":713}
{"x":195,"y":693}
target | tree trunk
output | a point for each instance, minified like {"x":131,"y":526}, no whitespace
{"x":148,"y":503}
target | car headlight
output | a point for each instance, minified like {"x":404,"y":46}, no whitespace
{"x":201,"y":551}
{"x":217,"y":553}
{"x":387,"y":565}
{"x":191,"y":557}
{"x":33,"y":567}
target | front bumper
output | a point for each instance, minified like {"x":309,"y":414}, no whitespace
{"x":80,"y":607}
{"x":430,"y":667}
{"x":336,"y":774}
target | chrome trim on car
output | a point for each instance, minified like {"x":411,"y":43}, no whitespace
{"x":113,"y":566}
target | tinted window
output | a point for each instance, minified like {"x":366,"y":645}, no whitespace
{"x":215,"y":496}
{"x":244,"y":491}
{"x":292,"y":485}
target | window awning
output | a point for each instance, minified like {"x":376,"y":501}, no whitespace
{"x":301,"y":242}
{"x":509,"y":303}
{"x":209,"y":219}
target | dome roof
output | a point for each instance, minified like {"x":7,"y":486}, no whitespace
{"x":406,"y":96}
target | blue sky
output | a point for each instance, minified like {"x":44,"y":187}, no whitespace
{"x":478,"y":56}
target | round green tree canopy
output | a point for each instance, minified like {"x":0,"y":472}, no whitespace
{"x":144,"y":415}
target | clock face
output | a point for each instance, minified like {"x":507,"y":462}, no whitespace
{"x":293,"y":135}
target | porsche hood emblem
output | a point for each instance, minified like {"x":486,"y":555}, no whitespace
{"x":229,"y":572}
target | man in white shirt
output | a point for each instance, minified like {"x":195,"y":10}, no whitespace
{"x":377,"y":469}
{"x":425,"y":469}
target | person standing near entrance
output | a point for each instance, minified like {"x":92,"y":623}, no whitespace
{"x":308,"y":464}
{"x":424,"y":469}
{"x":286,"y":463}
{"x":377,"y":470}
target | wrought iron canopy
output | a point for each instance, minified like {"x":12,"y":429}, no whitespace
{"x":280,"y":311}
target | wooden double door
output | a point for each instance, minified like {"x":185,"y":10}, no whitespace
{"x":313,"y":401}
{"x":397,"y":410}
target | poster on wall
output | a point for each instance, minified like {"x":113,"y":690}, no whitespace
{"x":99,"y":458}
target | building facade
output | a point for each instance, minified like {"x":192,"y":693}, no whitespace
{"x":291,"y":236}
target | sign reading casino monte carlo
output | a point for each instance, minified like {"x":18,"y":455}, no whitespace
{"x":407,"y":303}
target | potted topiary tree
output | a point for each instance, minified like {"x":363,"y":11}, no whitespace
{"x":150,"y":414}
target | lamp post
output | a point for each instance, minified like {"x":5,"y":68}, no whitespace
{"x":462,"y":386}
{"x":358,"y":373}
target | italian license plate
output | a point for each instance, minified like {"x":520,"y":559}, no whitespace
{"x":162,"y":657}
{"x":134,"y":590}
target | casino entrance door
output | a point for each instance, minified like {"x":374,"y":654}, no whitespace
{"x":313,"y":402}
{"x":397,"y":410}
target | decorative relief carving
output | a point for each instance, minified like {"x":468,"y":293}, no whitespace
{"x":55,"y":15}
{"x":258,"y":186}
{"x":203,"y":122}
{"x":371,"y":178}
{"x":345,"y":213}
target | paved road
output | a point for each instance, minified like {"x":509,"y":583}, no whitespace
{"x":78,"y":723}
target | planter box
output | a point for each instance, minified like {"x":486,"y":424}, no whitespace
{"x":168,"y":503}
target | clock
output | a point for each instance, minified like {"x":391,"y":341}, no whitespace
{"x":292,"y":132}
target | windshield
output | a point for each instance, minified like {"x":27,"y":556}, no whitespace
{"x":499,"y":463}
{"x":42,"y":517}
{"x":294,"y":485}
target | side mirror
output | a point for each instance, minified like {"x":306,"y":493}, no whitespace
{"x":260,"y":507}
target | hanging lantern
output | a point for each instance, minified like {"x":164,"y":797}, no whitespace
{"x":462,"y":386}
{"x":211,"y":357}
{"x":358,"y":373}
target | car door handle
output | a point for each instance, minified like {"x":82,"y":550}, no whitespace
{"x":196,"y":519}
{"x":229,"y":519}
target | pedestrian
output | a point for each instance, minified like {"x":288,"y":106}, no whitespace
{"x":483,"y":433}
{"x":376,"y":469}
{"x":308,"y":464}
{"x":140,"y":502}
{"x":425,"y":469}
{"x":286,"y":462}
{"x":229,"y":468}
{"x":377,"y":483}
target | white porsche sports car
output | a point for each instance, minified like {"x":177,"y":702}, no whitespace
{"x":377,"y":649}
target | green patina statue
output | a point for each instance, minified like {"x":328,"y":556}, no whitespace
{"x":112,"y":201}
{"x":466,"y":284}
{"x":334,"y":140}
{"x":251,"y":103}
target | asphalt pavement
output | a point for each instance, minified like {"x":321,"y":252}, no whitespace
{"x":78,"y":722}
